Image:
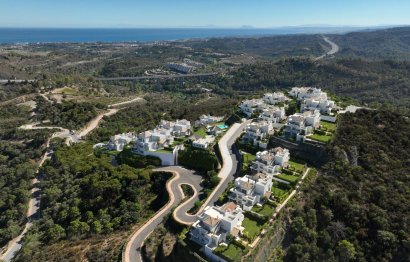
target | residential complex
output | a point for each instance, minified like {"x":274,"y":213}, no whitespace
{"x":159,"y":141}
{"x":300,"y":125}
{"x":203,"y":143}
{"x":256,"y":133}
{"x":215,"y":224}
{"x":118,"y":142}
{"x":206,"y":120}
{"x":270,"y":161}
{"x":252,"y":106}
{"x":313,"y":99}
{"x":274,"y":98}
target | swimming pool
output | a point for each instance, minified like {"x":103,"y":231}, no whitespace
{"x":222,"y":126}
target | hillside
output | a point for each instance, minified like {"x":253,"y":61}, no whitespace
{"x":391,"y":43}
{"x":358,"y":209}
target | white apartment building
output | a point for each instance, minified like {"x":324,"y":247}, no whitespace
{"x":151,"y":141}
{"x":256,"y":132}
{"x":206,"y":120}
{"x":301,"y":124}
{"x":273,"y":114}
{"x":118,"y":142}
{"x":270,"y":161}
{"x":249,"y":190}
{"x":215,"y":223}
{"x":252,"y":106}
{"x":203,"y":143}
{"x":274,"y":98}
{"x":313,"y":99}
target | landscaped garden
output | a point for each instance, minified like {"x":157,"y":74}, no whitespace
{"x":264,"y":210}
{"x":328,"y":126}
{"x":252,"y":228}
{"x":201,"y":132}
{"x":232,"y":252}
{"x":288,"y":178}
{"x":279,"y":191}
{"x":296,"y":166}
{"x":321,"y":138}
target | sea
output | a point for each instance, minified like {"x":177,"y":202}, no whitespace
{"x":71,"y":35}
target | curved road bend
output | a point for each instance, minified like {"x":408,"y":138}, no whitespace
{"x":181,"y":176}
{"x":132,"y":251}
{"x":334,"y":48}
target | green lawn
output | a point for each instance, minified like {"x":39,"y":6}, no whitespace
{"x":252,"y":228}
{"x":167,"y":151}
{"x":248,"y":158}
{"x":265,"y":210}
{"x":288,"y":178}
{"x":232,"y":252}
{"x":298,"y":167}
{"x":278,"y":192}
{"x":320,"y":138}
{"x":201,"y":132}
{"x":328,"y":126}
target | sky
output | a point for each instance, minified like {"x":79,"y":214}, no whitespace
{"x":201,"y":13}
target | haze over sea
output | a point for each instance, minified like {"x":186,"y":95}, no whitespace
{"x":55,"y":35}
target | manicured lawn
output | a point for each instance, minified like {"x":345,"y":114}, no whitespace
{"x":328,"y":126}
{"x":232,"y":252}
{"x":252,"y":228}
{"x":201,"y":132}
{"x":278,"y":192}
{"x":248,"y":158}
{"x":320,"y":138}
{"x":166,"y":151}
{"x":298,"y":167}
{"x":265,"y":210}
{"x":288,"y":178}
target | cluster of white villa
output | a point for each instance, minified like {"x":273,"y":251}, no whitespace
{"x":216,"y":223}
{"x":269,"y":116}
{"x":206,"y":120}
{"x":159,"y":141}
{"x":313,"y":99}
{"x":300,"y":125}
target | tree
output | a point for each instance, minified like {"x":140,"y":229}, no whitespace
{"x":55,"y":233}
{"x":346,"y":251}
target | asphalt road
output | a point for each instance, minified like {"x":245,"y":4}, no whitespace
{"x":334,"y":48}
{"x":230,"y":156}
{"x":181,"y":176}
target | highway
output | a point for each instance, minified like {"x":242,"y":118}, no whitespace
{"x":334,"y":48}
{"x":134,"y":244}
{"x":128,"y":78}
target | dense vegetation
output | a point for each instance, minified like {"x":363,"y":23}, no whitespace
{"x":358,"y":210}
{"x":18,"y":151}
{"x":391,"y":43}
{"x":198,"y":159}
{"x":378,"y":82}
{"x":68,"y":114}
{"x":84,"y":195}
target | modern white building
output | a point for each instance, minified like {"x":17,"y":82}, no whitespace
{"x":301,"y":124}
{"x":274,"y":98}
{"x":203,"y":143}
{"x":215,"y":224}
{"x":252,"y":106}
{"x":257,"y":133}
{"x":273,"y":114}
{"x":313,"y":99}
{"x":206,"y":120}
{"x":159,"y":141}
{"x":249,"y":190}
{"x":118,"y":142}
{"x":270,"y":161}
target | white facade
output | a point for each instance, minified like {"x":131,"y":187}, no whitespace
{"x":118,"y":142}
{"x":250,"y":107}
{"x":302,"y":124}
{"x":313,"y":99}
{"x":249,"y":190}
{"x":215,"y":223}
{"x":205,"y":120}
{"x":203,"y":143}
{"x":273,"y":114}
{"x":162,"y":137}
{"x":258,"y":131}
{"x":274,"y":98}
{"x":270,"y":161}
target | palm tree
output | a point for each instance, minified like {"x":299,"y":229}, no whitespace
{"x":337,"y":230}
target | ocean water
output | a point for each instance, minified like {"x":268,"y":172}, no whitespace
{"x":45,"y":35}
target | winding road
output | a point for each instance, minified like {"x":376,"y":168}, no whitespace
{"x":8,"y":252}
{"x":230,"y":156}
{"x":334,"y":48}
